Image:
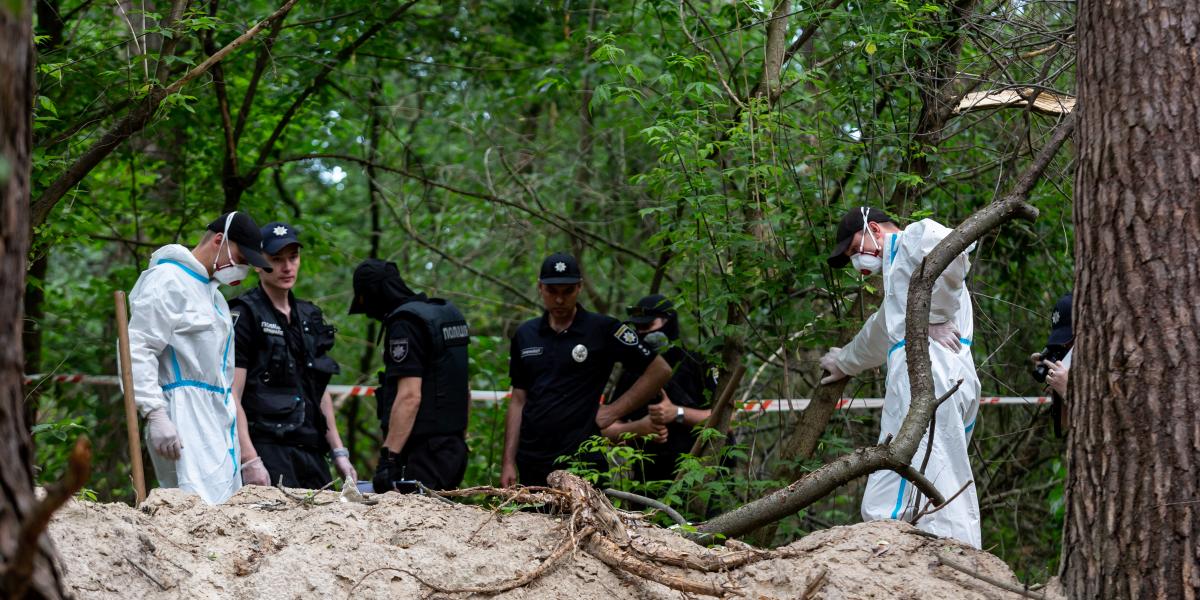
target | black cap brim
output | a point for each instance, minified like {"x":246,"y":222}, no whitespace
{"x":839,"y":259}
{"x":254,"y":257}
{"x":1059,"y":337}
{"x":561,"y":280}
{"x":643,"y":320}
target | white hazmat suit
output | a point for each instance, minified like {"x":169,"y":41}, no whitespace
{"x":181,"y":347}
{"x":889,"y":496}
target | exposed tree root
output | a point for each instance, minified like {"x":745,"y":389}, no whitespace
{"x":569,"y":542}
{"x":614,"y":556}
{"x":594,"y":526}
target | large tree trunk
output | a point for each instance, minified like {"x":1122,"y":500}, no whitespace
{"x":1133,"y":514}
{"x":41,"y":580}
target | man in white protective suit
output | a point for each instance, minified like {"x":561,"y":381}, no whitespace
{"x":181,"y":347}
{"x":869,"y":239}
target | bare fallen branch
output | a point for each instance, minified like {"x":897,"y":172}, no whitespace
{"x":814,"y":586}
{"x":984,"y":578}
{"x":651,"y":502}
{"x":930,"y":508}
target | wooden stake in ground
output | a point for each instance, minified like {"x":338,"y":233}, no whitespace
{"x":131,"y":423}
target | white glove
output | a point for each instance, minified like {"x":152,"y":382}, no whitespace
{"x":829,"y":363}
{"x":947,"y":335}
{"x":345,"y":469}
{"x":255,"y":473}
{"x":163,"y":436}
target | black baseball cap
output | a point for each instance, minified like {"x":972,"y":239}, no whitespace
{"x":649,"y":308}
{"x":560,"y":268}
{"x":244,"y":232}
{"x":277,"y":235}
{"x":1061,"y":333}
{"x":851,"y":224}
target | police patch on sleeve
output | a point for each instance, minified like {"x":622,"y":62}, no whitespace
{"x":627,"y":335}
{"x":399,"y":349}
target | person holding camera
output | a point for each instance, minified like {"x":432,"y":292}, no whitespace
{"x":1052,"y":365}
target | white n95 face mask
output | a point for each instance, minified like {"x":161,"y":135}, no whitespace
{"x":232,"y":273}
{"x":867,"y":264}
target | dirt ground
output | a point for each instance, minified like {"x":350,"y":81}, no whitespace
{"x":263,"y":544}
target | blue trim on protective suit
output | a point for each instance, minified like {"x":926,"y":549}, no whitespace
{"x":208,"y":387}
{"x":970,"y":427}
{"x":175,"y":364}
{"x":894,"y":249}
{"x":233,"y":446}
{"x":902,"y":343}
{"x":225,"y":360}
{"x":899,"y":498}
{"x":186,"y":269}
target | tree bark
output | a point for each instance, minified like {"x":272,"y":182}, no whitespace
{"x":19,"y":577}
{"x":1133,"y":489}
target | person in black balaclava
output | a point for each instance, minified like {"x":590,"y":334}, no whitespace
{"x":423,"y":395}
{"x":685,"y":401}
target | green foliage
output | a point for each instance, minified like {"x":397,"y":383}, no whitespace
{"x":503,"y":131}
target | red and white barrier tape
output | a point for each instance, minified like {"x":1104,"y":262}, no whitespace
{"x":341,"y":392}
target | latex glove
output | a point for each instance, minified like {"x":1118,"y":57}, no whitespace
{"x":163,"y":436}
{"x":255,"y":473}
{"x":829,"y":364}
{"x":344,"y":468}
{"x":508,"y":474}
{"x":1057,"y":375}
{"x":947,"y":335}
{"x":663,"y":412}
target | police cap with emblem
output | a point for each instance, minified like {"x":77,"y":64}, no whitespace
{"x":560,"y":268}
{"x":277,"y":236}
{"x":1061,"y":333}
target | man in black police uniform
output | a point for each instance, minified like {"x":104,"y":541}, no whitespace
{"x":281,"y":369}
{"x":685,"y":400}
{"x":559,"y":364}
{"x":423,"y":397}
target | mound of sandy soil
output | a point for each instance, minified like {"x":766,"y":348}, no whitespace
{"x":263,"y":544}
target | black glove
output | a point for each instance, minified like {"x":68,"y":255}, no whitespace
{"x":383,"y":472}
{"x":389,"y":475}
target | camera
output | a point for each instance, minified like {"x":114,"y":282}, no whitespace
{"x":1049,"y":353}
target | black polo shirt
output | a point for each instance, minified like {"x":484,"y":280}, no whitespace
{"x":563,"y":375}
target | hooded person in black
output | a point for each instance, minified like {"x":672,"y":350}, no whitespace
{"x":423,"y":395}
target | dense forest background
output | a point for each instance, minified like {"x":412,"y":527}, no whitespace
{"x":701,"y":149}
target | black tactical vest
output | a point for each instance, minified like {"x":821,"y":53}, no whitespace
{"x":445,"y":389}
{"x":278,"y":390}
